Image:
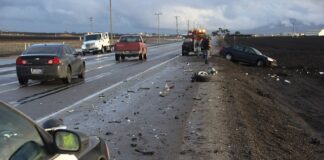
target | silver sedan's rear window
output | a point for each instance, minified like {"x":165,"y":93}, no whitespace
{"x":43,"y":50}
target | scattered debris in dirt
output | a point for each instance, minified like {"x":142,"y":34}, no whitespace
{"x":130,"y":91}
{"x":109,"y":133}
{"x":114,"y":121}
{"x":146,"y":153}
{"x":144,"y":88}
{"x":197,"y":98}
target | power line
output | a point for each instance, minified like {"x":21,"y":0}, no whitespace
{"x":110,"y":21}
{"x":91,"y":19}
{"x":177,"y":26}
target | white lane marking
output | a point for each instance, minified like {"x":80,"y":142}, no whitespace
{"x":90,"y":79}
{"x":6,"y":84}
{"x":8,"y":75}
{"x":16,"y":82}
{"x":98,"y":76}
{"x":103,"y":90}
{"x":6,"y":69}
{"x":100,"y":67}
{"x":12,"y":89}
{"x":87,"y":80}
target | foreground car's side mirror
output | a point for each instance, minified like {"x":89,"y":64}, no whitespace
{"x":66,"y":140}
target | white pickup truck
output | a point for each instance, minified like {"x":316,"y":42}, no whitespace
{"x":96,"y":42}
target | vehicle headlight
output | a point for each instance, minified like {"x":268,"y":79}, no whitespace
{"x":270,"y":59}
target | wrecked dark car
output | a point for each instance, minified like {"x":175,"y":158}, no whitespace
{"x":21,"y":138}
{"x":245,"y":54}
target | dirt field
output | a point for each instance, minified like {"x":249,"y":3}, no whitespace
{"x":270,"y":113}
{"x":8,"y":48}
{"x":276,"y":113}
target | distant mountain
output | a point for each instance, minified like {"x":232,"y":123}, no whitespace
{"x":284,"y":29}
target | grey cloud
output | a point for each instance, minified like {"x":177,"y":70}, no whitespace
{"x":137,"y":16}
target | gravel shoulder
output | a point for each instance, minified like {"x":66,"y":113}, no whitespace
{"x":257,"y":113}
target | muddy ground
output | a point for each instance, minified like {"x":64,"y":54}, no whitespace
{"x":243,"y":112}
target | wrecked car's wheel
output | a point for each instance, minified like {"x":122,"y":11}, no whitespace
{"x":228,"y":56}
{"x":260,"y":63}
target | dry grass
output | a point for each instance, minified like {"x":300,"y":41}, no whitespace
{"x":8,"y":48}
{"x":17,"y":47}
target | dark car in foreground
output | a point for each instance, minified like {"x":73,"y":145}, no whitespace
{"x":250,"y":55}
{"x":23,"y":139}
{"x":49,"y":61}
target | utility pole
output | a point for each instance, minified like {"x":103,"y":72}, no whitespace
{"x":110,"y":22}
{"x":188,"y":25}
{"x":293,"y":33}
{"x":91,"y":23}
{"x":177,"y":26}
{"x":158,"y":16}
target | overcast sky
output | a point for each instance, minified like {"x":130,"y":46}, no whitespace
{"x":130,"y":16}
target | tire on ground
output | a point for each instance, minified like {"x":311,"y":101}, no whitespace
{"x":201,"y":76}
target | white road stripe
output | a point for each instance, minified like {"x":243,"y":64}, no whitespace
{"x":6,"y":69}
{"x":102,"y":91}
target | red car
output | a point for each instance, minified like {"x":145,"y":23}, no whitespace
{"x":130,"y":46}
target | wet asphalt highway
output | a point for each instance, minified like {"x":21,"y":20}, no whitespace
{"x":39,"y":100}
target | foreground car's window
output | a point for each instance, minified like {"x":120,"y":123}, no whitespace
{"x":43,"y":50}
{"x":15,"y":131}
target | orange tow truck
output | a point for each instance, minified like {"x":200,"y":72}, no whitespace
{"x":193,"y":40}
